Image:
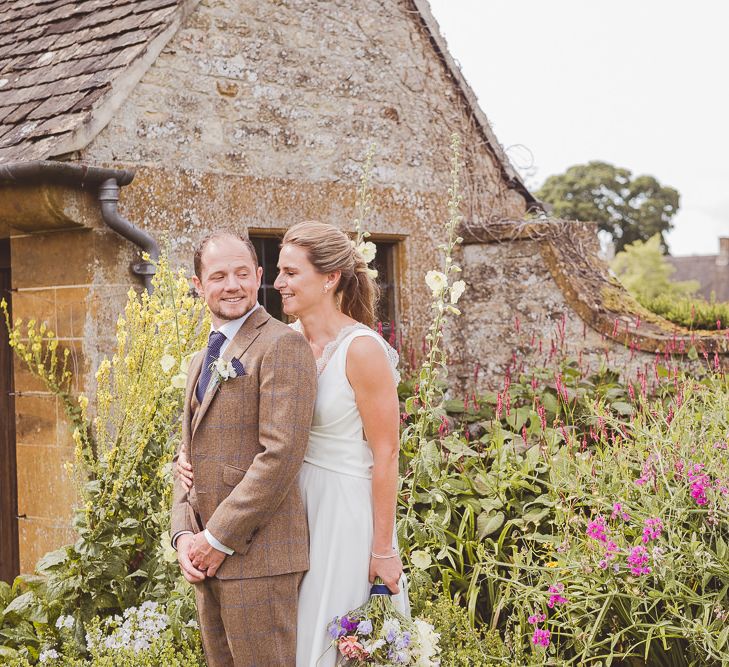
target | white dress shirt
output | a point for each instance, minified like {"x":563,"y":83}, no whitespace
{"x":229,"y":330}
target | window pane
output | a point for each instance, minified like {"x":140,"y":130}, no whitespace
{"x":267,"y":250}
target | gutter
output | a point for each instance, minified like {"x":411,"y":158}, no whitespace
{"x":107,"y":182}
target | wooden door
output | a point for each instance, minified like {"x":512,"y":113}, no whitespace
{"x":9,"y":565}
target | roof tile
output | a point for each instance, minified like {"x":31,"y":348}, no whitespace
{"x":59,"y":60}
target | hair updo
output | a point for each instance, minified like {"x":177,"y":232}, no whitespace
{"x":329,"y":249}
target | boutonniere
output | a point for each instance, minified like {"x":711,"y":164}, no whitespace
{"x":226,"y":370}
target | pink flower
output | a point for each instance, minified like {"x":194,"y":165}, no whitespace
{"x":556,"y":597}
{"x":350,"y":648}
{"x":638,"y":561}
{"x":596,"y":529}
{"x":652,"y":530}
{"x":537,"y":618}
{"x":619,"y":512}
{"x":699,"y":481}
{"x":541,"y":637}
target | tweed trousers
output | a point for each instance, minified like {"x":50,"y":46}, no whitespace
{"x":248,"y":622}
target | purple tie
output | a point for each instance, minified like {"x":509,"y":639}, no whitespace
{"x":215,"y":342}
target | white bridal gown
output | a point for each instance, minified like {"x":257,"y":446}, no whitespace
{"x":336,"y":485}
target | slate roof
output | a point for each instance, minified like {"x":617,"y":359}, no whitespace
{"x":62,"y":59}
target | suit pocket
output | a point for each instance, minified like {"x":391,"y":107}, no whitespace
{"x":232,"y":475}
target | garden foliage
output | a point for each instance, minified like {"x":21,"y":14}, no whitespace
{"x":122,"y":464}
{"x":571,"y":516}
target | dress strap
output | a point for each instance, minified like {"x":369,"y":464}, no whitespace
{"x":392,"y":356}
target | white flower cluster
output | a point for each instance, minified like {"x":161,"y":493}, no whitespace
{"x":136,"y":630}
{"x":66,"y":622}
{"x":427,"y":647}
{"x":224,"y":370}
{"x":48,"y":654}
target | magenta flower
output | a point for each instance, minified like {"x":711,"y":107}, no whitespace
{"x":618,"y":511}
{"x":541,"y":637}
{"x":537,"y":618}
{"x":652,"y":530}
{"x":596,"y":529}
{"x":556,"y":597}
{"x":638,"y":561}
{"x":699,"y":481}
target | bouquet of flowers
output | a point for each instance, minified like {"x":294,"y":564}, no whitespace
{"x":378,"y":635}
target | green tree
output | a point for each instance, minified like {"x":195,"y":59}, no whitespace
{"x":646,"y":274}
{"x":629,"y":209}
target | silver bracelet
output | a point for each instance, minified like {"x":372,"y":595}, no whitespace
{"x":374,"y":555}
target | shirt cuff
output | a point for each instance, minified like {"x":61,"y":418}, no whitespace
{"x":217,"y":545}
{"x":176,"y":536}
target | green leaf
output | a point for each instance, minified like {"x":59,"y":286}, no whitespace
{"x":51,"y":560}
{"x":489,"y":523}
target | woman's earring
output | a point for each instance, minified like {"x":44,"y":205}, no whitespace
{"x":326,"y":288}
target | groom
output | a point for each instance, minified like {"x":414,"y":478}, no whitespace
{"x":240,"y":533}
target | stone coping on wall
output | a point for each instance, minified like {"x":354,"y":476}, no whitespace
{"x":570,"y":250}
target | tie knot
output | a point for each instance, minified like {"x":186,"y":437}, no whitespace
{"x":215,"y":341}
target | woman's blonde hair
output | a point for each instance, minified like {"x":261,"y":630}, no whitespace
{"x":330,"y":249}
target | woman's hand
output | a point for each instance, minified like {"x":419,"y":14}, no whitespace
{"x":183,"y":468}
{"x":387,"y":569}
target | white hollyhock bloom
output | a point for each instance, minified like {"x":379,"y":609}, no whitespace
{"x":179,"y":381}
{"x":167,"y":362}
{"x":368,"y":250}
{"x":437,"y":281}
{"x":421,"y":559}
{"x":457,"y":289}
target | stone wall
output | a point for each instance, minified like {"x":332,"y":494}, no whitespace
{"x":260,"y":113}
{"x":57,"y":280}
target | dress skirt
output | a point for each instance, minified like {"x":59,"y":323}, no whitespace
{"x":339,"y":512}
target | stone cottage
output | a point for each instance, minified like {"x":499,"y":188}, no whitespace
{"x":128,"y":124}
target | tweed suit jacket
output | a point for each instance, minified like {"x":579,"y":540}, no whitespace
{"x":246,"y":443}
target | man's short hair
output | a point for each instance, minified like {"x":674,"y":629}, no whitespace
{"x":229,"y":233}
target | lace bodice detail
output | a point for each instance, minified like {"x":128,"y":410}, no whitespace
{"x":331,"y":347}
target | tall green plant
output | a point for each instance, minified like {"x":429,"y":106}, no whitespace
{"x":122,"y":461}
{"x":421,"y":442}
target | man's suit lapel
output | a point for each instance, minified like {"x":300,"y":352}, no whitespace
{"x":249,"y":331}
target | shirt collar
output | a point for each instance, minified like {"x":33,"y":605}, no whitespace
{"x":231,"y":328}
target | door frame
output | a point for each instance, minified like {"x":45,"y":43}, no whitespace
{"x":9,"y":553}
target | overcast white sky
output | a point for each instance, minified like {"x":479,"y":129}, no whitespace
{"x":642,"y":84}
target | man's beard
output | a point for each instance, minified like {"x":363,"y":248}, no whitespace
{"x":229,"y":318}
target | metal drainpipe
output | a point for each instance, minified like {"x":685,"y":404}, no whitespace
{"x":109,"y":199}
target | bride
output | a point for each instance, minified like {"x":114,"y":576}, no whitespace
{"x":349,"y":478}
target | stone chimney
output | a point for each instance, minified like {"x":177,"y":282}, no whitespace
{"x":723,"y":258}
